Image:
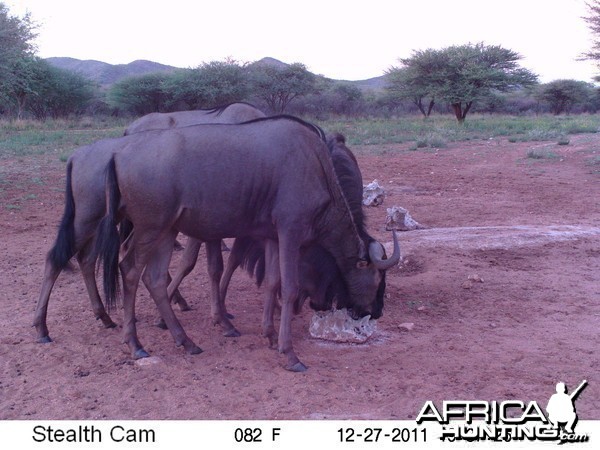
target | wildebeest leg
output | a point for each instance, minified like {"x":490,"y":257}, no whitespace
{"x":41,"y":311}
{"x":214,"y":259}
{"x":178,"y":299}
{"x":187,"y":264}
{"x":273,"y":284}
{"x":131,"y":272}
{"x":289,"y":257}
{"x":155,"y":278}
{"x":233,"y":262}
{"x":87,"y":263}
{"x":51,"y":274}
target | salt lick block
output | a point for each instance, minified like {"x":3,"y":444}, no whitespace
{"x":338,"y":326}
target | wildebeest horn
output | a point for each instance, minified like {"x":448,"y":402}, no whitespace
{"x":376,"y":253}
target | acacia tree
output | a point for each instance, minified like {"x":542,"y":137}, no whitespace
{"x":16,"y":52}
{"x":139,"y":94}
{"x":593,"y":21}
{"x":459,"y":75}
{"x":408,"y":82}
{"x":211,"y":84}
{"x":278,"y":86}
{"x":562,"y":95}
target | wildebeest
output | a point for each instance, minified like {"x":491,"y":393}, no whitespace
{"x":232,"y":113}
{"x":286,"y":193}
{"x":319,"y":276}
{"x":85,"y":206}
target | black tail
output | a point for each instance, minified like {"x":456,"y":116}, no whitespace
{"x":108,"y":241}
{"x":64,"y":247}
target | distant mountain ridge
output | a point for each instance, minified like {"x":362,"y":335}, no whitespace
{"x":106,"y":74}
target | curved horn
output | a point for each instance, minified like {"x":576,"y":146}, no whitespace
{"x":376,"y":253}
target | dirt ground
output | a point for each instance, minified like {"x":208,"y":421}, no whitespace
{"x":528,"y":228}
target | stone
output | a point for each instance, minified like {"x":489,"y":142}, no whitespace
{"x":147,"y":362}
{"x":407,"y":326}
{"x":475,"y":278}
{"x":399,"y":219}
{"x":373,"y":194}
{"x":338,"y":326}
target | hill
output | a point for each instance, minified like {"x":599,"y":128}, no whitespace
{"x":376,"y":83}
{"x":107,"y":74}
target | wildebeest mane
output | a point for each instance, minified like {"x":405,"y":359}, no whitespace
{"x":350,"y":180}
{"x":311,"y":126}
{"x":251,"y":254}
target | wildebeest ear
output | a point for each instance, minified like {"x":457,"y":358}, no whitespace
{"x":361,"y":264}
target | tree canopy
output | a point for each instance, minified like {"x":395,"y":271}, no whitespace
{"x":28,"y":83}
{"x":211,"y":84}
{"x":562,"y":95}
{"x":593,"y":21}
{"x":278,"y":86}
{"x":459,"y":75}
{"x":16,"y":52}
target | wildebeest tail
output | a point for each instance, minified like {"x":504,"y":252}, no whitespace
{"x":64,"y":246}
{"x":108,"y":241}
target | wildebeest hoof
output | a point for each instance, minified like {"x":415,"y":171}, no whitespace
{"x":141,"y":353}
{"x":232,"y":333}
{"x":298,"y":367}
{"x":107,"y":321}
{"x":44,"y":340}
{"x":160,"y":323}
{"x":195,"y":350}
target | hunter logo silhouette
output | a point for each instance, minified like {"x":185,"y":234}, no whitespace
{"x":561,"y":407}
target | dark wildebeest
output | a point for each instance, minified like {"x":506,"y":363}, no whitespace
{"x":286,"y":193}
{"x":319,"y":276}
{"x":85,"y":205}
{"x":232,"y":113}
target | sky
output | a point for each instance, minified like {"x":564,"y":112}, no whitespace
{"x":340,"y":39}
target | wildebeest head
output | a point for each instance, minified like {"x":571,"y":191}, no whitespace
{"x":359,"y":296}
{"x":322,"y":281}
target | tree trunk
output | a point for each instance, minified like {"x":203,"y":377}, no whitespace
{"x":419,"y":102}
{"x":459,"y":112}
{"x":431,"y":103}
{"x":457,"y":107}
{"x":467,"y":108}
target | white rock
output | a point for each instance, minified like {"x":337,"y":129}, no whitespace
{"x":338,"y":326}
{"x":373,"y":194}
{"x":150,"y":361}
{"x":399,"y":219}
{"x":407,"y":326}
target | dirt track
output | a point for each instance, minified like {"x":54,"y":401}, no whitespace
{"x":528,"y":228}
